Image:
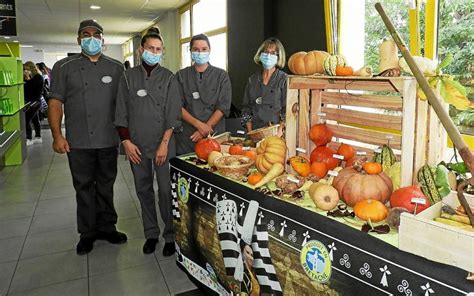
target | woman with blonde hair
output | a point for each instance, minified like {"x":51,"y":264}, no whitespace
{"x":264,"y":100}
{"x":33,"y":91}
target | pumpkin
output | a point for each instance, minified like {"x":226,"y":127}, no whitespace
{"x":325,"y":154}
{"x":402,"y":198}
{"x":270,"y":150}
{"x":307,"y":63}
{"x":320,"y":134}
{"x":205,"y":146}
{"x":254,"y":178}
{"x":372,"y":168}
{"x":250,"y":154}
{"x":236,"y":149}
{"x":319,"y":169}
{"x":301,"y":165}
{"x":331,"y":62}
{"x":345,"y":150}
{"x":370,"y":209}
{"x":344,"y":71}
{"x":325,"y":197}
{"x":353,"y":185}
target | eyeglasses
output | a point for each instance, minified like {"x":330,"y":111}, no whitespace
{"x":270,"y":52}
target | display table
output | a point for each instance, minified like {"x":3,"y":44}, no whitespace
{"x":289,"y":244}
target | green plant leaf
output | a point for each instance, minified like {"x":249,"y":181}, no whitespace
{"x":446,"y":62}
{"x":453,"y":93}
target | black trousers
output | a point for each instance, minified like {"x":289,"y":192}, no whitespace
{"x":93,"y":175}
{"x":32,"y":116}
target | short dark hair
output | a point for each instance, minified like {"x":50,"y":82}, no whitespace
{"x":199,"y":37}
{"x":153,"y":32}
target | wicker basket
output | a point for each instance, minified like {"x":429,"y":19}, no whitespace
{"x":233,"y":166}
{"x":262,"y":133}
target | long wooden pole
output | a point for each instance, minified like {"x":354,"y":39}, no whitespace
{"x":435,"y":102}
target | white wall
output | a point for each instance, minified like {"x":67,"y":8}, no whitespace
{"x":49,"y":53}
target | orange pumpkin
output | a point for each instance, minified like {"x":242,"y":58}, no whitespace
{"x":205,"y":146}
{"x":236,"y":149}
{"x":346,"y":150}
{"x":301,"y":165}
{"x":254,"y":178}
{"x":319,"y":169}
{"x":369,"y":209}
{"x":307,"y":63}
{"x":344,"y":71}
{"x":325,"y":154}
{"x":372,"y":168}
{"x":251,"y":154}
{"x":320,"y":134}
{"x":354,"y":184}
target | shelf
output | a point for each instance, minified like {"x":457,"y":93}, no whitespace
{"x":7,"y":139}
{"x":14,"y":112}
{"x":10,"y":85}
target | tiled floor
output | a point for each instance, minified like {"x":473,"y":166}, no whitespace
{"x":38,"y":237}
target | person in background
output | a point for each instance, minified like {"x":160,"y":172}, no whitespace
{"x":146,"y":119}
{"x":206,"y":96}
{"x":33,"y":91}
{"x":43,"y":113}
{"x":86,"y":85}
{"x":126,"y":64}
{"x":45,"y":71}
{"x":264,"y":100}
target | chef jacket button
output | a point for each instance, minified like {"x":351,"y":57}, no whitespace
{"x":91,"y":133}
{"x":82,"y":69}
{"x":85,"y":83}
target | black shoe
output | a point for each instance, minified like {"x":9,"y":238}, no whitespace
{"x":150,"y":245}
{"x":84,"y":246}
{"x":169,"y":249}
{"x":114,"y":237}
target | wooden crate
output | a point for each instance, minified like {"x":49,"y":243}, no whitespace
{"x":424,"y":237}
{"x":366,"y":113}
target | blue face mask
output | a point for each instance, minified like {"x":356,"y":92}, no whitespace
{"x":200,"y":58}
{"x":268,"y":60}
{"x":151,"y":58}
{"x":91,"y":45}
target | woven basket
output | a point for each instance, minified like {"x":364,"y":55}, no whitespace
{"x":262,"y":133}
{"x":233,"y":166}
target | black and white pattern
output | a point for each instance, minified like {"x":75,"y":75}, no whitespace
{"x":226,"y":218}
{"x":174,"y":201}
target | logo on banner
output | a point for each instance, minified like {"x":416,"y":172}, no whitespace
{"x":315,"y":260}
{"x":183,"y":190}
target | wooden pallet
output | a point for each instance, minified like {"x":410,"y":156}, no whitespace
{"x":366,"y":113}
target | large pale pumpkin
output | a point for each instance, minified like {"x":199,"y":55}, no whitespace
{"x":307,"y":63}
{"x":353,"y":185}
{"x":271,"y":150}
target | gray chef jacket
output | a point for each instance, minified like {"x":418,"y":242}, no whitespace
{"x":201,"y":96}
{"x":261,"y":103}
{"x":143,"y":106}
{"x":88,"y":91}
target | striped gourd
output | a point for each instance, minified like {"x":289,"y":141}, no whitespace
{"x":331,"y":62}
{"x":427,"y":180}
{"x":386,"y":158}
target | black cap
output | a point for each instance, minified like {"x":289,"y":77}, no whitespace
{"x":89,"y":24}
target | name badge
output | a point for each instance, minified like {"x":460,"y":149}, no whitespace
{"x":196,"y":95}
{"x":142,"y":92}
{"x":106,"y":79}
{"x":259,"y":100}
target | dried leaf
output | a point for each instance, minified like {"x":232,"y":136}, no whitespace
{"x":454,"y":93}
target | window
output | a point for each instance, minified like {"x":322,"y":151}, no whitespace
{"x":208,"y":17}
{"x":127,"y":51}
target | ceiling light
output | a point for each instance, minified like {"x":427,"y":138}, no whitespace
{"x":15,"y":41}
{"x":24,"y":45}
{"x":6,"y":37}
{"x":95,"y":7}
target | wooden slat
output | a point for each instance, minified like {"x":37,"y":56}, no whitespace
{"x":291,"y":124}
{"x":408,"y":133}
{"x":437,"y":137}
{"x":365,"y":136}
{"x":393,"y":103}
{"x":303,"y":121}
{"x":420,"y":149}
{"x":365,"y":118}
{"x":315,"y":110}
{"x":347,"y":84}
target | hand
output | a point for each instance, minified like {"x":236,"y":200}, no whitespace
{"x":204,"y":128}
{"x":132,"y":151}
{"x":161,"y":153}
{"x":196,"y":136}
{"x":60,"y":144}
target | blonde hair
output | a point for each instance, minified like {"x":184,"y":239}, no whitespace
{"x":33,"y":68}
{"x":272,"y":42}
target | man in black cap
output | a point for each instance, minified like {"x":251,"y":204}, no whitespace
{"x":86,"y":85}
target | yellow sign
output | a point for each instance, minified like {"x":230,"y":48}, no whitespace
{"x":315,"y":260}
